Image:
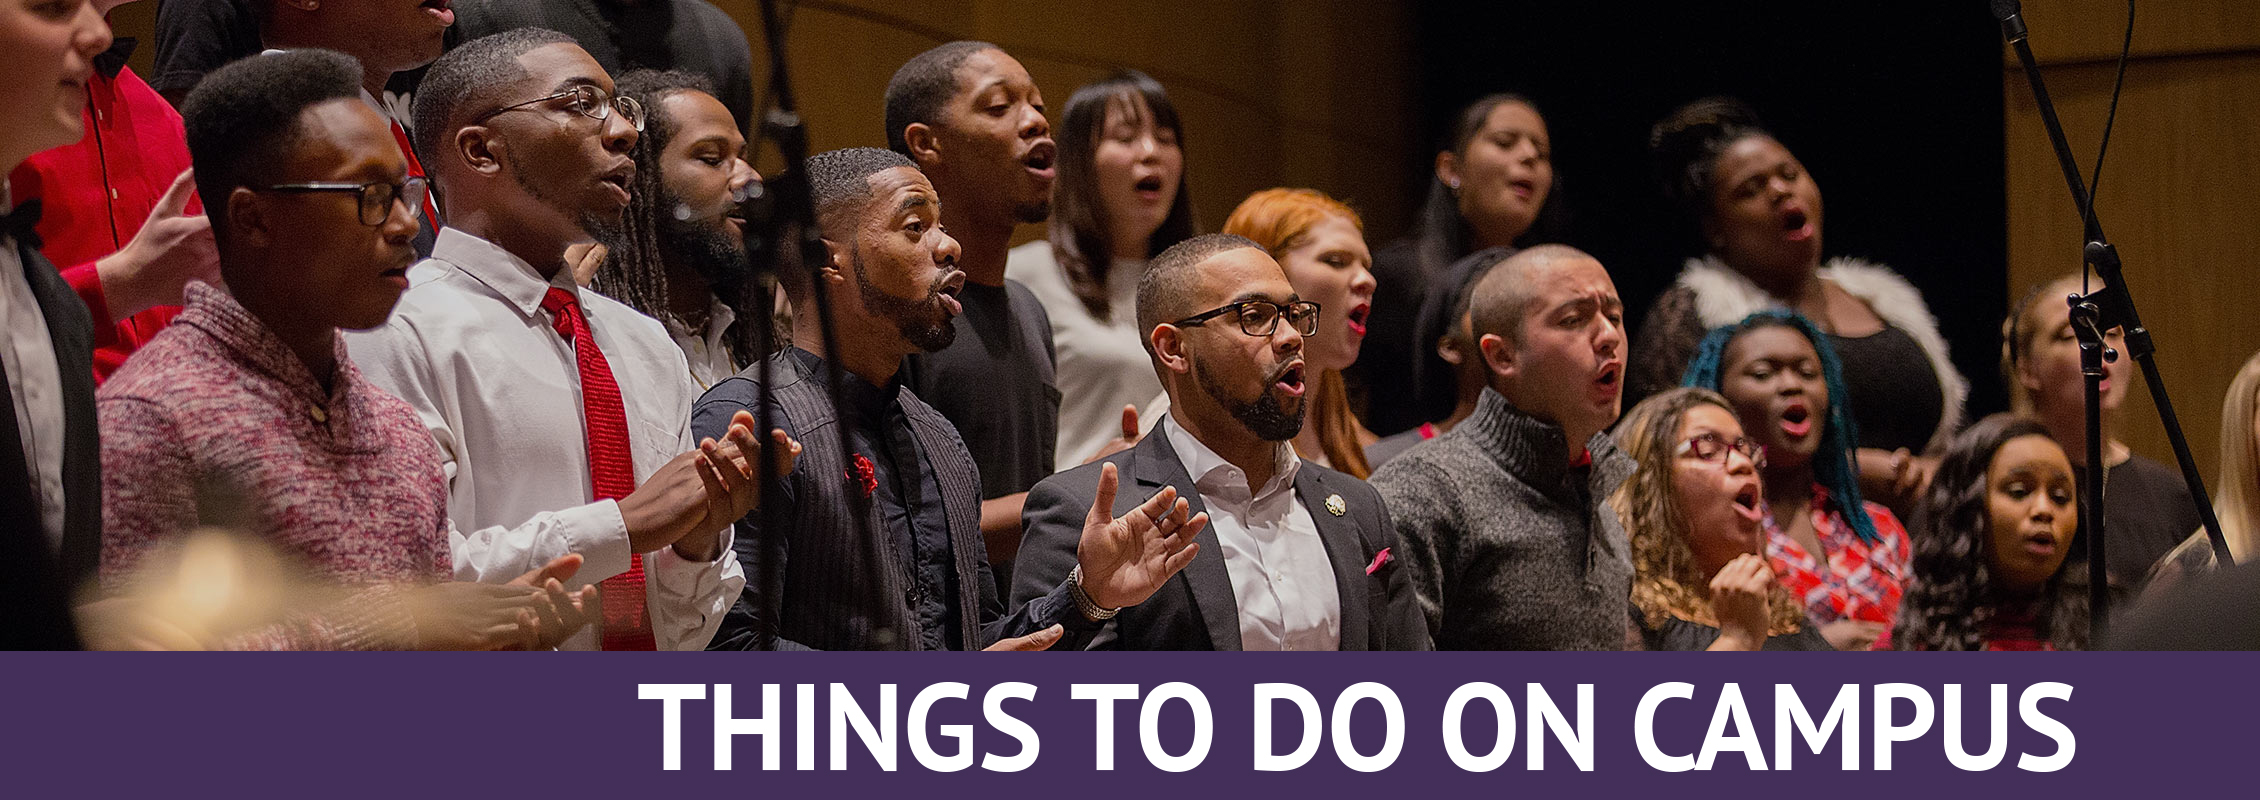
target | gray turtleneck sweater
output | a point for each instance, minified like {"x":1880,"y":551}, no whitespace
{"x":1509,"y":547}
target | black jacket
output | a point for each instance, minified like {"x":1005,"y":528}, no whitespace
{"x":812,"y":582}
{"x":1196,"y":609}
{"x":35,"y":586}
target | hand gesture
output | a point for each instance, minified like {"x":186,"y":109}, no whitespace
{"x":557,"y":614}
{"x":1896,"y":478}
{"x":172,"y":249}
{"x":471,"y":616}
{"x":1739,"y":594}
{"x":698,"y":493}
{"x":1040,"y":640}
{"x":584,"y":260}
{"x":1129,"y":438}
{"x":1126,"y":559}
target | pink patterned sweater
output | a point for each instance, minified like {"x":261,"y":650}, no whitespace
{"x":216,"y":421}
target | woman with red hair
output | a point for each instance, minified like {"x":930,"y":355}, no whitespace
{"x":1321,"y":243}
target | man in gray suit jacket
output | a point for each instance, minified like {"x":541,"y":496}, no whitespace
{"x":878,"y":545}
{"x":1296,"y":556}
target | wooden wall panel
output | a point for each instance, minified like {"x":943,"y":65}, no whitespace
{"x":1310,"y":93}
{"x":2180,"y":197}
{"x":1272,"y":93}
{"x":2069,"y":31}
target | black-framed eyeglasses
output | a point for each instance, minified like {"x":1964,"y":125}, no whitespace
{"x":376,"y":197}
{"x":1712,"y":447}
{"x":588,"y":101}
{"x":1261,"y":317}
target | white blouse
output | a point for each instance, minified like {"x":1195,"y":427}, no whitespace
{"x":1103,"y":365}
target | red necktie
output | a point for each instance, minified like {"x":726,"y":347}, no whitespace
{"x":416,"y":169}
{"x":627,"y":625}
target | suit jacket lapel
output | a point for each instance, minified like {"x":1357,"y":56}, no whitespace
{"x":1157,"y":465}
{"x":1344,"y":550}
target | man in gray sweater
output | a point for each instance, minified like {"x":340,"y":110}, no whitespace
{"x":1504,"y":522}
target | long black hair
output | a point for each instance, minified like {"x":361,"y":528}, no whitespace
{"x":1080,"y":240}
{"x":1950,"y":596}
{"x":635,"y":272}
{"x":1441,"y":236}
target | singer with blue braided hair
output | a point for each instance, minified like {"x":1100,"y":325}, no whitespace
{"x":1845,"y":559}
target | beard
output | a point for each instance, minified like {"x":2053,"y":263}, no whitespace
{"x":1264,"y":416}
{"x":922,"y":322}
{"x":707,"y":247}
{"x":1033,"y":211}
{"x":606,"y":229}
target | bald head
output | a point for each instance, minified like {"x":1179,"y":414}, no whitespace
{"x":1508,"y":292}
{"x":1551,"y":329}
{"x":1166,"y":291}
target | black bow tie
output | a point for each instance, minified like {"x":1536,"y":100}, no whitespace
{"x":114,"y":59}
{"x":23,"y":224}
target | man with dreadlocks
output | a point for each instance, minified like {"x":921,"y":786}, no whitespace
{"x":681,"y":252}
{"x":874,"y":543}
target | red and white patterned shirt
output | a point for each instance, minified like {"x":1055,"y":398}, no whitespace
{"x":1858,"y":580}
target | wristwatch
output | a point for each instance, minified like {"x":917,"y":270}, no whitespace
{"x":1083,"y":602}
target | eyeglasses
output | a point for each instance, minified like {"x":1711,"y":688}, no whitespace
{"x":376,"y":197}
{"x":588,"y":101}
{"x":1261,"y":317}
{"x":1712,"y":447}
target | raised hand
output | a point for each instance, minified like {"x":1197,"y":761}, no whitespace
{"x":173,"y":248}
{"x":585,"y":259}
{"x":1127,"y":440}
{"x":695,"y":495}
{"x":1126,"y":559}
{"x":1739,"y":595}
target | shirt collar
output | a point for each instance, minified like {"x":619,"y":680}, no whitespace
{"x":110,"y":62}
{"x":861,"y":396}
{"x":719,"y":317}
{"x":506,"y":274}
{"x":1206,"y":467}
{"x":217,"y":314}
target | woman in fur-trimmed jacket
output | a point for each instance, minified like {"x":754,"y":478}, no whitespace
{"x":1760,"y":217}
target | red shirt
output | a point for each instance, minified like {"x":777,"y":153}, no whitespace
{"x":1850,"y":579}
{"x":96,"y":193}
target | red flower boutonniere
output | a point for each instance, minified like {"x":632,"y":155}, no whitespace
{"x":1380,"y":560}
{"x":861,"y":475}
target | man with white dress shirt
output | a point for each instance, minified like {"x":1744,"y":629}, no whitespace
{"x":1296,"y":556}
{"x":540,"y":395}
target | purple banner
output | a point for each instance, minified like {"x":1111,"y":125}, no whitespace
{"x":578,"y":725}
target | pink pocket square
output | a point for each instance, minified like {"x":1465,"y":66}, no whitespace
{"x":1379,"y":560}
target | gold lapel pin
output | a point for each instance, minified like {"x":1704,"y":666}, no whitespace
{"x":1335,"y":505}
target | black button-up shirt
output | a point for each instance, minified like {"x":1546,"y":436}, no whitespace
{"x":908,"y":500}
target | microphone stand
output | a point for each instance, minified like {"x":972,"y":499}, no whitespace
{"x":772,"y":210}
{"x":2087,"y":328}
{"x":2114,"y":307}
